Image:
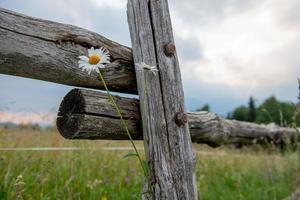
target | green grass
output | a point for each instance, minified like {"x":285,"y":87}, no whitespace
{"x":222,"y":173}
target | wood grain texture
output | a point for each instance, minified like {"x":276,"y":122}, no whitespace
{"x":169,"y":148}
{"x":211,"y":129}
{"x":181,"y":158}
{"x":154,"y":125}
{"x":86,"y":114}
{"x":45,"y":50}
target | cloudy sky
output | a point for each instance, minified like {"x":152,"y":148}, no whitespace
{"x":228,"y":49}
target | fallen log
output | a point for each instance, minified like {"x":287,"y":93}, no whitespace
{"x":87,"y":114}
{"x":45,"y":50}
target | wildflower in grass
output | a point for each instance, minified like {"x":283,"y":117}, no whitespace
{"x":19,"y":187}
{"x":19,"y":181}
{"x":144,"y":66}
{"x":96,"y":59}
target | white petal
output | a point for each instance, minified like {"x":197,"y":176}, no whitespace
{"x":104,"y":61}
{"x":97,"y":70}
{"x":87,"y":66}
{"x":107,"y":56}
{"x":84,"y":58}
{"x":82,"y":62}
{"x":89,"y":71}
{"x":91,"y":51}
{"x":84,"y":68}
{"x":98,"y":52}
{"x":101,"y":66}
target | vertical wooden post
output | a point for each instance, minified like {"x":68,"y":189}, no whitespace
{"x":166,"y":135}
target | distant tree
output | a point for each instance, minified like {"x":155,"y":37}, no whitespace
{"x":299,"y":91}
{"x":281,"y":113}
{"x":251,"y":110}
{"x":270,"y":111}
{"x":35,"y":127}
{"x":30,"y":126}
{"x":204,"y":108}
{"x":240,"y":113}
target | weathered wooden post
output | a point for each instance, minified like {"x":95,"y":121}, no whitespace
{"x":166,"y":134}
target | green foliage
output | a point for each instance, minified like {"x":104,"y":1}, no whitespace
{"x":240,"y":113}
{"x":281,"y":113}
{"x":125,"y":126}
{"x":204,"y":108}
{"x":299,"y":91}
{"x":92,"y":174}
{"x":270,"y":111}
{"x":249,"y":178}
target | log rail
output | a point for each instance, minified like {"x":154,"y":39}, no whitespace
{"x":45,"y":50}
{"x":87,"y":114}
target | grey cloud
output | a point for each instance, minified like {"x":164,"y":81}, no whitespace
{"x":189,"y":48}
{"x":208,"y":11}
{"x":112,"y":23}
{"x":233,"y":63}
{"x":107,"y":21}
{"x":288,"y":15}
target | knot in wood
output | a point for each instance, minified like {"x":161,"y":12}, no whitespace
{"x":181,"y":118}
{"x":170,"y":49}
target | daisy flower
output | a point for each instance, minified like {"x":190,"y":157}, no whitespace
{"x":143,"y":65}
{"x":95,"y":60}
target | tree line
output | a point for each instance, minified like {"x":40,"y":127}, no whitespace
{"x":272,"y":110}
{"x":269,"y":111}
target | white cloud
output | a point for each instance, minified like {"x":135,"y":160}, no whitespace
{"x":116,"y":4}
{"x":240,"y":44}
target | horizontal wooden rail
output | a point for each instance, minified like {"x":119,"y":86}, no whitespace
{"x":45,"y":50}
{"x":86,"y":114}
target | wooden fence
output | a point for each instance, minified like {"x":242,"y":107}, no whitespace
{"x":49,"y":51}
{"x":88,"y":114}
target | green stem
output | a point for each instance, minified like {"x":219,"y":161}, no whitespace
{"x":123,"y":123}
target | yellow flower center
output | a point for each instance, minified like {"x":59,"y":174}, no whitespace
{"x":94,"y":59}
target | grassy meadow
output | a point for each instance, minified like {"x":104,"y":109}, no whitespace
{"x":94,"y":174}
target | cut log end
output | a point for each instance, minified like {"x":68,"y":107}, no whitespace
{"x":68,"y":118}
{"x":86,"y":114}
